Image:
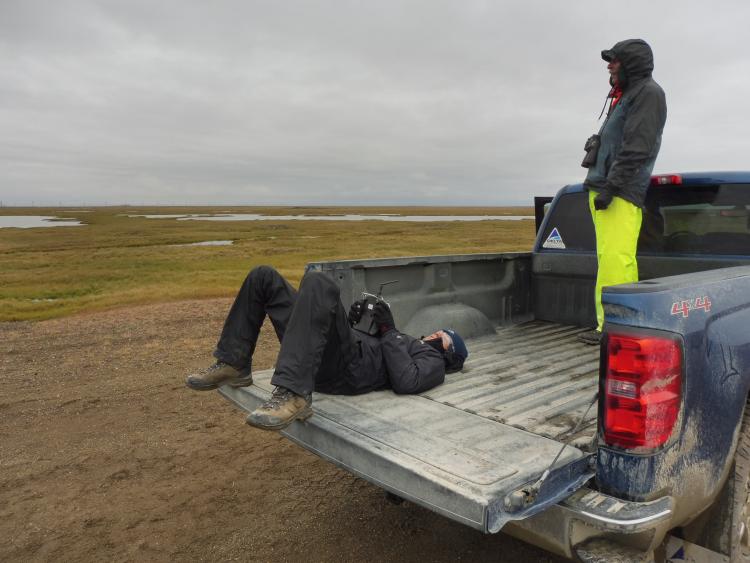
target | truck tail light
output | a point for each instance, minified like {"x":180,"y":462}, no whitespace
{"x":666,"y":179}
{"x":642,"y":388}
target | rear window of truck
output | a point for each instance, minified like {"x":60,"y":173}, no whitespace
{"x":697,"y":220}
{"x":677,"y":220}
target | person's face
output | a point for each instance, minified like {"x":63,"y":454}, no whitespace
{"x":442,"y":335}
{"x":614,"y":68}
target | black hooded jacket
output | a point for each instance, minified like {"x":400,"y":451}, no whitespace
{"x":631,"y":134}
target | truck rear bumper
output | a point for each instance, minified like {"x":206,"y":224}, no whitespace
{"x":588,"y":514}
{"x":609,"y":513}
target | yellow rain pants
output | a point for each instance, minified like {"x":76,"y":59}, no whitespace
{"x":617,"y":229}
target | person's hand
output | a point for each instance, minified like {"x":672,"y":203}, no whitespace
{"x":602,"y":200}
{"x":355,"y":312}
{"x":383,"y":317}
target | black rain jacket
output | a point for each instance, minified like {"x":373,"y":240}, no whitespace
{"x":631,"y":134}
{"x":399,"y":361}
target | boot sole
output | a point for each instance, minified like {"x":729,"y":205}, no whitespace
{"x":212,"y":386}
{"x":303,"y":415}
{"x":206,"y":387}
{"x":241,"y":383}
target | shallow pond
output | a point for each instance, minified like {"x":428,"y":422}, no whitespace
{"x":33,"y":221}
{"x":207,"y":243}
{"x":384,"y":217}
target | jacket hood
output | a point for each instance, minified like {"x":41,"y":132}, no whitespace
{"x":635,"y":56}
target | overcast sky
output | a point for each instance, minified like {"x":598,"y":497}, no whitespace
{"x":336,"y":102}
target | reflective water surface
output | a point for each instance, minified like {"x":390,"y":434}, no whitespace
{"x":383,"y":217}
{"x":207,"y":243}
{"x":33,"y":221}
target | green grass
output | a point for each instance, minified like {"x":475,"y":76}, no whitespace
{"x":117,"y":261}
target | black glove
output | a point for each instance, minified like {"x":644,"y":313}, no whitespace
{"x":602,"y":200}
{"x":355,"y":312}
{"x":383,"y":317}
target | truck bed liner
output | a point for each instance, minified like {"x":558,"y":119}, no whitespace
{"x":536,"y":376}
{"x":448,"y":449}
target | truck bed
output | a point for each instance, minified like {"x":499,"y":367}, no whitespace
{"x":535,"y":376}
{"x":466,"y":445}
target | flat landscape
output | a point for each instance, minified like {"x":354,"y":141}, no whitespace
{"x":121,"y":257}
{"x":106,"y":455}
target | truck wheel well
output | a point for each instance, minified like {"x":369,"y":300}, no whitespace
{"x":715,"y":528}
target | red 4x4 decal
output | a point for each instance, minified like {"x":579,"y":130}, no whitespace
{"x":684,"y":307}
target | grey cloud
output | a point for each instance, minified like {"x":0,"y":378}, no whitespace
{"x":432,"y":102}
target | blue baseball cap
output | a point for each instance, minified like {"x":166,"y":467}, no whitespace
{"x":455,"y":358}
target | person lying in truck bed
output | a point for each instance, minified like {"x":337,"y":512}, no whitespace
{"x":320,"y":351}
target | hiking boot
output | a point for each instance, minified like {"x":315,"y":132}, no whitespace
{"x":590,"y":337}
{"x":218,"y":374}
{"x":281,"y":410}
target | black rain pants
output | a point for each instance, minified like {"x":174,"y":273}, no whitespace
{"x":318,"y":348}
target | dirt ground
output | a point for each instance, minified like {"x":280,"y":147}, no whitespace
{"x":106,"y":455}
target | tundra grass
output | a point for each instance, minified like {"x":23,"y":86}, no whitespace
{"x":114,"y":260}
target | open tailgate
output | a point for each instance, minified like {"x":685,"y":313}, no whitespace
{"x":459,"y":464}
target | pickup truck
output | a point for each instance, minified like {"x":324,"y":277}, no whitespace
{"x":608,"y":453}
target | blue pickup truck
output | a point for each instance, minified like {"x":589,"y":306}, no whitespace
{"x":612,"y":453}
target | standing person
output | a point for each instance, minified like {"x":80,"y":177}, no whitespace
{"x":319,"y":348}
{"x":620,"y":163}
